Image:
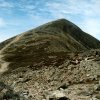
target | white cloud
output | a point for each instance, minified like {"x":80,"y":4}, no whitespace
{"x":92,"y":26}
{"x":2,"y":22}
{"x":82,"y":7}
{"x":5,"y":4}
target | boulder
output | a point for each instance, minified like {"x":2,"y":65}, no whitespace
{"x":57,"y":95}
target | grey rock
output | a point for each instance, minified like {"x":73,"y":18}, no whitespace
{"x":97,"y":87}
{"x":2,"y":86}
{"x":85,"y":93}
{"x":97,"y":96}
{"x":61,"y":98}
{"x":94,"y":98}
{"x":63,"y":86}
{"x":57,"y":95}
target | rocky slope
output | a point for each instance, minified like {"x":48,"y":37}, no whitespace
{"x":55,"y":61}
{"x":35,"y":45}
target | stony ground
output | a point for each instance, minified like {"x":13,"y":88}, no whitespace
{"x":77,"y":78}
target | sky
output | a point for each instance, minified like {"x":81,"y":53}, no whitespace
{"x":18,"y":16}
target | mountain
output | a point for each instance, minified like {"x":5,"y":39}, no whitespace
{"x":56,"y":36}
{"x":49,"y":55}
{"x":59,"y":35}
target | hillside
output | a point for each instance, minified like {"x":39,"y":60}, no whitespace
{"x":56,"y":36}
{"x":55,"y":55}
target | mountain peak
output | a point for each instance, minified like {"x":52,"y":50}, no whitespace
{"x":63,"y":22}
{"x":58,"y":25}
{"x":62,"y":19}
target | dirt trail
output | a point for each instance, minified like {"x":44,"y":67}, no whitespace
{"x":3,"y":63}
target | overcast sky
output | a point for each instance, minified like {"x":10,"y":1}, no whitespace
{"x":17,"y":16}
